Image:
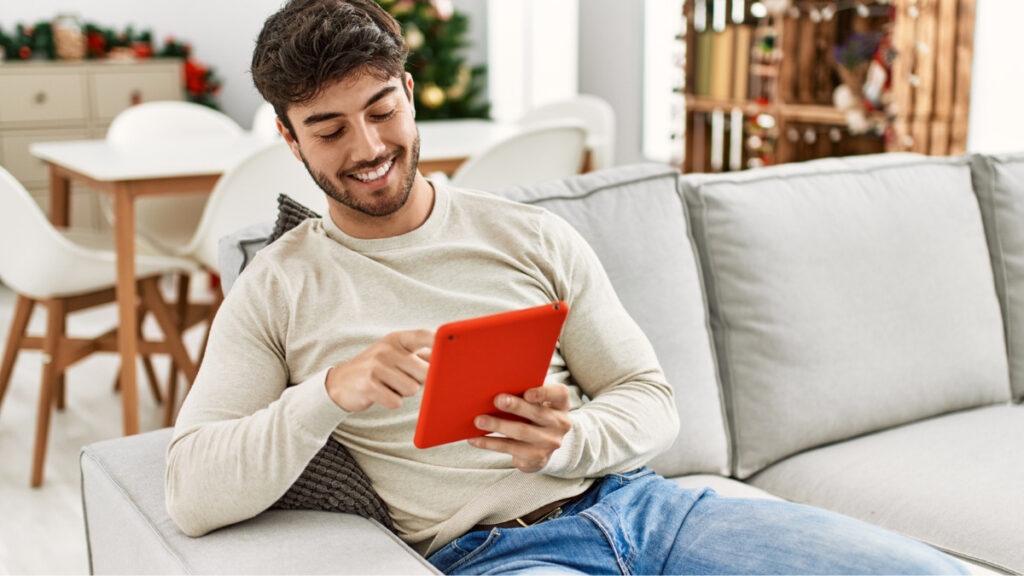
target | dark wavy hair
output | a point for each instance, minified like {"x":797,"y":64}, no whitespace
{"x":310,"y":44}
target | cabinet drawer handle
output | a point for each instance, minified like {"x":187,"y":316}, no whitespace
{"x":135,"y":98}
{"x":40,"y":97}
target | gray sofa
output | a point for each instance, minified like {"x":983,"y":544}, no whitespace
{"x":846,"y":333}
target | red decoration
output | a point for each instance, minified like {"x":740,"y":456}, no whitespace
{"x":96,"y":44}
{"x":142,"y":49}
{"x":195,"y":76}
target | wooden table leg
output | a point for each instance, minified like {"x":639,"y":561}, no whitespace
{"x":124,"y":242}
{"x":60,"y":198}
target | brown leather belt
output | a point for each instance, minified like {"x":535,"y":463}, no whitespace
{"x":536,"y":517}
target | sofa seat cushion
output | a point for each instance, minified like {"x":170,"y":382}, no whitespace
{"x":727,"y":487}
{"x":846,"y":296}
{"x":999,"y":183}
{"x":954,"y":481}
{"x":129,"y":532}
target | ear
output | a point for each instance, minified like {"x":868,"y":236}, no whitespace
{"x":409,"y":93}
{"x":287,"y":135}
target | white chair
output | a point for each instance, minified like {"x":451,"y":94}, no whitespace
{"x":541,"y":152}
{"x":65,"y":271}
{"x":595,"y":113}
{"x":245,"y":195}
{"x":167,"y":222}
{"x":264,"y":122}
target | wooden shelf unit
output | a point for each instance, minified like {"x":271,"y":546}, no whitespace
{"x":925,"y":109}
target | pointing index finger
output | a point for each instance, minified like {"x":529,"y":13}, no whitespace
{"x":414,"y":340}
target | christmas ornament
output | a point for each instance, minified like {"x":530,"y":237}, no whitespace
{"x":443,"y":8}
{"x":458,"y":90}
{"x":414,"y":38}
{"x":432,"y":96}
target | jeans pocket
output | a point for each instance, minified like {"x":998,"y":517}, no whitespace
{"x":464,"y":549}
{"x":631,"y":476}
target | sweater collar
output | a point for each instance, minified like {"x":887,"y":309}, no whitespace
{"x":434,"y":221}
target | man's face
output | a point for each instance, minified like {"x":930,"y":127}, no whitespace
{"x":358,"y":139}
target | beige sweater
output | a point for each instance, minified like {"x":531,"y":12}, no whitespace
{"x":317,"y":297}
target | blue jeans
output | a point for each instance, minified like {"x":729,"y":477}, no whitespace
{"x":641,"y":523}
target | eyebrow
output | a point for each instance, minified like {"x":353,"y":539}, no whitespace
{"x":316,"y":118}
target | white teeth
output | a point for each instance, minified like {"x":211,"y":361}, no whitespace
{"x":371,"y":176}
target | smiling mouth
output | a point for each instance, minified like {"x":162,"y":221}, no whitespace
{"x":370,"y":176}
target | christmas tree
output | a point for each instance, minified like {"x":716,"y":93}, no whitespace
{"x":445,"y":85}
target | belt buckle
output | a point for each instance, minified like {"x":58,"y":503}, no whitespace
{"x":557,"y":510}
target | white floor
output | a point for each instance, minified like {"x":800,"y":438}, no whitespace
{"x":41,"y":529}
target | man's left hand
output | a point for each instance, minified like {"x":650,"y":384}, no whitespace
{"x":531,"y":443}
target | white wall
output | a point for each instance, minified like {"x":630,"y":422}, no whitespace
{"x":997,"y":85}
{"x":222,"y":32}
{"x":611,"y":66}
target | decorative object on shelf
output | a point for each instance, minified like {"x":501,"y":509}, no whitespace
{"x":446,"y":85}
{"x":863,"y":64}
{"x":68,"y":38}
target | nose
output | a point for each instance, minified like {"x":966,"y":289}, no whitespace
{"x":367,"y":143}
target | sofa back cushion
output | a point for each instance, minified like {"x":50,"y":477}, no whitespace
{"x":999,"y":183}
{"x":845,"y":296}
{"x":634,"y":219}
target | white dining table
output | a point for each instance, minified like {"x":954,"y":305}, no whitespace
{"x":189,"y":165}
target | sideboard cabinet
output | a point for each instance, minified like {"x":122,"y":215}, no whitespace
{"x":43,"y":101}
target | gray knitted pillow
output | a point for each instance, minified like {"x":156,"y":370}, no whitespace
{"x":332,"y":480}
{"x":289,"y":215}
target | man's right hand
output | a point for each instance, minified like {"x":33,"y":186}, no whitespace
{"x":391,"y":369}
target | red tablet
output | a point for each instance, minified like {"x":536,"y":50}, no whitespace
{"x":475,"y":360}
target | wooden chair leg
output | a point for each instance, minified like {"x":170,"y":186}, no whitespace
{"x":218,"y":299}
{"x":55,"y":316}
{"x":59,"y":389}
{"x":147,"y":361}
{"x":172,"y":336}
{"x":181,"y":314}
{"x":22,"y":313}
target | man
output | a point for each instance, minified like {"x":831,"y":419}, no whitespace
{"x":344,"y":308}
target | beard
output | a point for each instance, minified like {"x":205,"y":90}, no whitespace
{"x":379,"y":204}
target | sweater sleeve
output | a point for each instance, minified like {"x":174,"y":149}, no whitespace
{"x":631,"y":416}
{"x":242,"y":437}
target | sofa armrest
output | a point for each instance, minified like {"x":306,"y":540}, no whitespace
{"x":128,"y":529}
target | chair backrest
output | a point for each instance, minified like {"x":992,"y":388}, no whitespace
{"x":542,"y":152}
{"x":35,"y":260}
{"x":247,"y":194}
{"x":167,"y":221}
{"x":595,"y":113}
{"x":156,"y":121}
{"x":264,"y":122}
